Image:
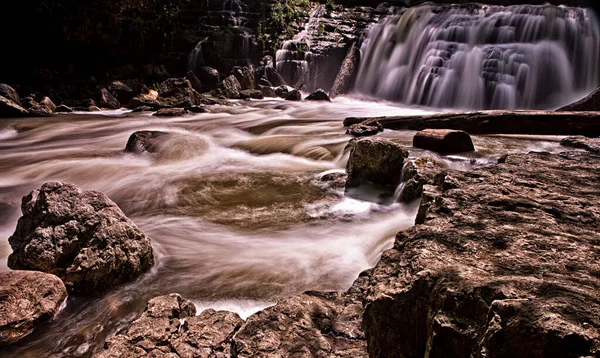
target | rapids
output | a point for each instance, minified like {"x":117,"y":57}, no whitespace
{"x":482,"y":57}
{"x":231,"y":200}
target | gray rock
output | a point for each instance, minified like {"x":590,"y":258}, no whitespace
{"x":318,"y":95}
{"x":255,"y":94}
{"x":9,"y":109}
{"x":27,"y":299}
{"x":267,"y":91}
{"x":294,"y":95}
{"x":244,"y":77}
{"x":81,"y":236}
{"x":344,"y":81}
{"x":443,"y":141}
{"x":377,"y":160}
{"x":10,"y":93}
{"x":274,"y":77}
{"x":170,"y":112}
{"x":141,"y":141}
{"x":107,"y":100}
{"x":176,"y":92}
{"x":169,"y":325}
{"x":231,"y":87}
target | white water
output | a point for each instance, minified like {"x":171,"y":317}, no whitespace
{"x":482,"y":57}
{"x":231,"y":201}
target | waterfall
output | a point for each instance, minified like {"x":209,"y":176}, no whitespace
{"x":295,"y":61}
{"x":195,"y":58}
{"x":482,"y":57}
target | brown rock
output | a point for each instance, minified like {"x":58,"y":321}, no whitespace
{"x":107,"y":100}
{"x":9,"y":109}
{"x":443,"y":141}
{"x":7,"y":91}
{"x":294,"y":95}
{"x":244,"y":77}
{"x":176,"y":92}
{"x":318,"y":95}
{"x":590,"y":102}
{"x":121,"y":91}
{"x":27,"y":299}
{"x":592,"y":145}
{"x":170,"y":112}
{"x":230,"y":87}
{"x":254,"y":94}
{"x":365,"y":129}
{"x":344,"y":81}
{"x":47,"y":102}
{"x":141,"y":141}
{"x":63,"y":109}
{"x":377,"y":160}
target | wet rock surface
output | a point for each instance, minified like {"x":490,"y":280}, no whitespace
{"x":505,"y":265}
{"x":169,"y":327}
{"x":170,"y":112}
{"x":81,"y":236}
{"x":176,"y":92}
{"x":143,"y":141}
{"x":592,"y":145}
{"x":318,"y":95}
{"x":376,"y":160}
{"x":344,"y":80}
{"x":443,"y":141}
{"x":294,"y":95}
{"x":27,"y":299}
{"x":364,"y":129}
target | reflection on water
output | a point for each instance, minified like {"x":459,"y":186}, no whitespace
{"x":231,"y":200}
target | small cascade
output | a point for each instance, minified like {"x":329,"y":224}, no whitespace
{"x":482,"y":57}
{"x":195,"y":58}
{"x":295,"y":61}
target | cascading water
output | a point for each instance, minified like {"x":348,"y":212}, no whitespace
{"x":195,"y":58}
{"x":294,"y":61}
{"x":482,"y":57}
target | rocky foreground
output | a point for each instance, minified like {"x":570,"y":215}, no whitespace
{"x":505,"y":262}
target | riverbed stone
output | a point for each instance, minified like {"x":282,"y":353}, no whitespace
{"x":274,"y":77}
{"x":148,"y":100}
{"x":293,"y":95}
{"x":170,"y":112}
{"x":375,"y":159}
{"x":365,"y":129}
{"x":121,"y":91}
{"x":10,"y":93}
{"x":176,"y":92}
{"x":254,"y":94}
{"x":504,"y":264}
{"x":107,"y":100}
{"x":345,"y":78}
{"x":170,"y":326}
{"x":443,"y":141}
{"x":27,"y":299}
{"x":143,"y":141}
{"x":592,"y":145}
{"x":9,"y":109}
{"x":244,"y":77}
{"x":81,"y":236}
{"x":267,"y":91}
{"x":230,"y":87}
{"x":318,"y":95}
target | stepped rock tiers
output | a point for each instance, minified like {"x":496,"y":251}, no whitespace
{"x":495,"y":122}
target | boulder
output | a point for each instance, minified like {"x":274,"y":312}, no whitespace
{"x":230,"y":87}
{"x":121,"y":91}
{"x":40,"y":110}
{"x":334,"y":180}
{"x":27,"y":299}
{"x":81,"y":236}
{"x":9,"y":109}
{"x":344,"y":81}
{"x":274,"y":77}
{"x":591,"y":102}
{"x":107,"y":100}
{"x":365,"y":129}
{"x":144,"y":100}
{"x":443,"y":141}
{"x":318,"y":95}
{"x":194,"y":81}
{"x":197,"y":109}
{"x":294,"y":95}
{"x":169,"y":325}
{"x":209,"y":77}
{"x":88,"y":105}
{"x":28,"y":102}
{"x":170,"y":112}
{"x":282,"y":91}
{"x":504,"y":264}
{"x":420,"y":172}
{"x":47,"y":102}
{"x":264,"y":82}
{"x":63,"y":109}
{"x":377,"y":160}
{"x":244,"y":77}
{"x":592,"y":145}
{"x":176,"y":92}
{"x":143,"y":141}
{"x":10,"y":93}
{"x":267,"y":91}
{"x":255,"y":94}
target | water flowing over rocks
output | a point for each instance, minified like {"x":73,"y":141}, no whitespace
{"x":344,"y":81}
{"x":504,"y":264}
{"x":81,"y":236}
{"x":443,"y":141}
{"x":169,"y":327}
{"x":496,"y":122}
{"x":27,"y":299}
{"x":377,"y":160}
{"x":141,"y":141}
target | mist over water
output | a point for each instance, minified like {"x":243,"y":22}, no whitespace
{"x":482,"y":57}
{"x":231,"y":200}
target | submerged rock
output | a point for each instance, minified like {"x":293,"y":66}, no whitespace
{"x":169,"y":325}
{"x":8,"y":92}
{"x":443,"y":141}
{"x":294,"y":95}
{"x":141,"y":141}
{"x":318,"y":95}
{"x":176,"y":92}
{"x":10,"y":109}
{"x":377,"y":160}
{"x":81,"y":236}
{"x":505,"y":264}
{"x":27,"y":299}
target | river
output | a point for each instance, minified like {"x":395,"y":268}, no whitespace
{"x":232,"y":202}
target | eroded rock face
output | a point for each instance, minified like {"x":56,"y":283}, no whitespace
{"x":176,"y":92}
{"x":169,"y":327}
{"x":377,"y":160}
{"x":27,"y":299}
{"x":505,"y":265}
{"x":81,"y":236}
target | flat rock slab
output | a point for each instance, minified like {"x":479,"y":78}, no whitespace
{"x":443,"y":141}
{"x":496,"y":122}
{"x":505,"y":264}
{"x":592,"y":145}
{"x":27,"y":299}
